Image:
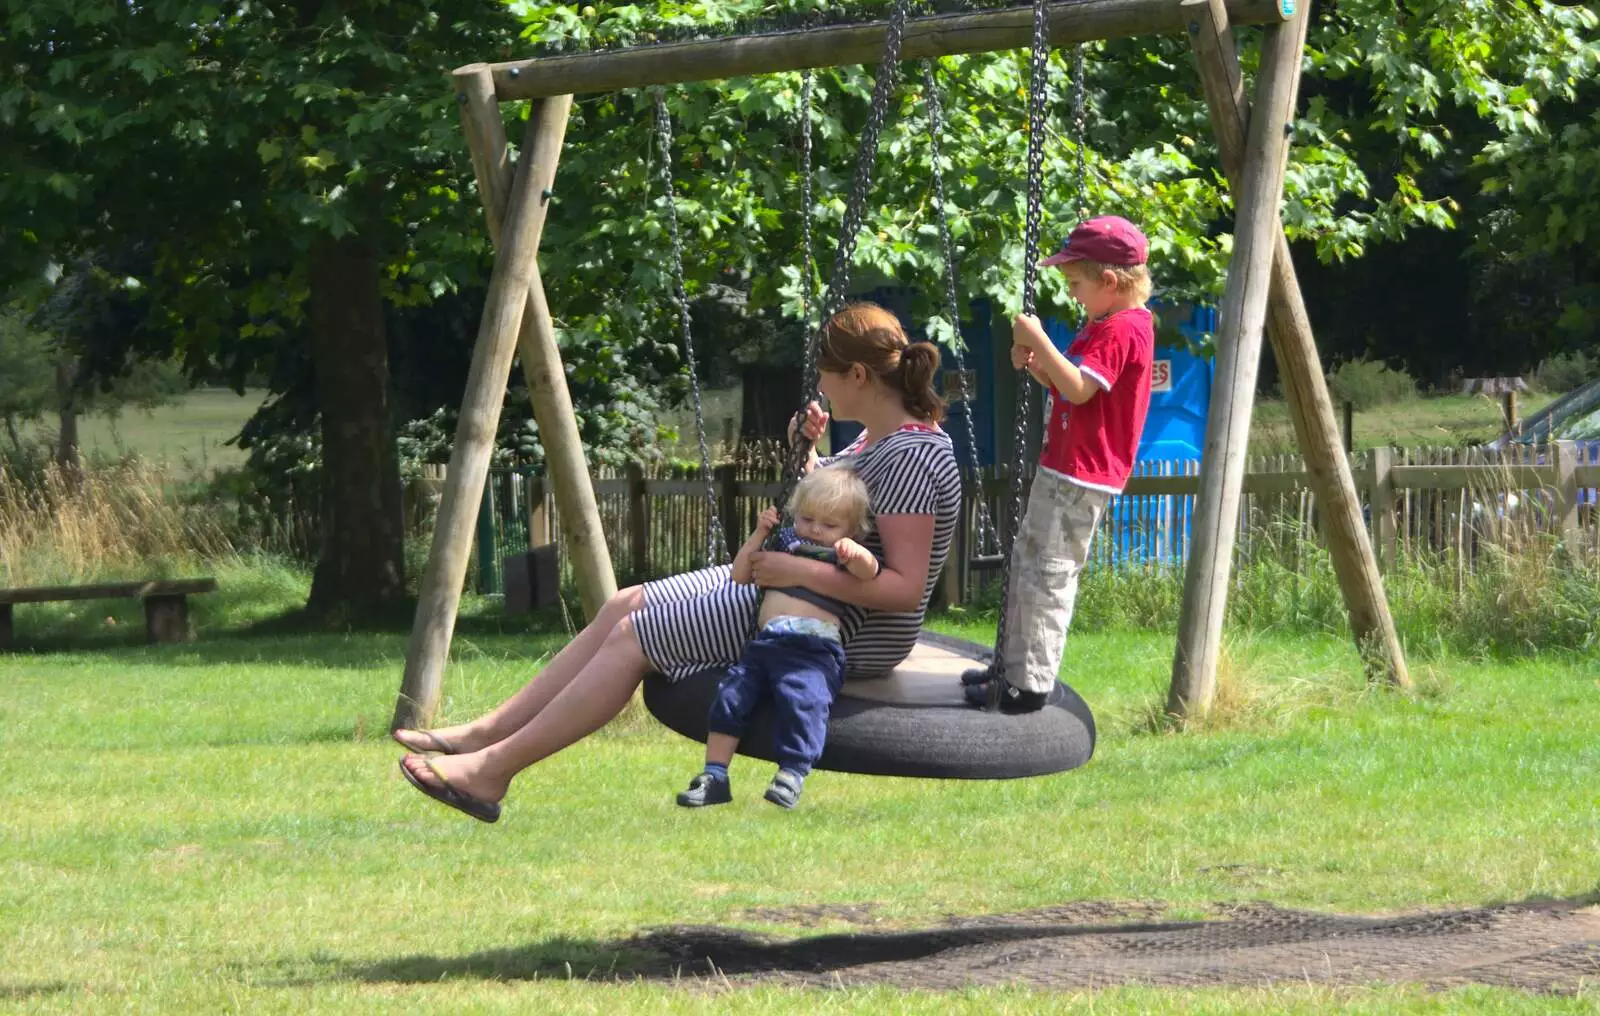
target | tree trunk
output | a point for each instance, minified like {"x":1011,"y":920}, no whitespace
{"x":771,"y":398}
{"x":67,"y":456}
{"x":361,"y":569}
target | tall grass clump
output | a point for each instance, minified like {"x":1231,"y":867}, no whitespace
{"x":62,"y":525}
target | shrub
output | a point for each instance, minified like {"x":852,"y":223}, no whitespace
{"x":1566,"y":371}
{"x":1366,"y":384}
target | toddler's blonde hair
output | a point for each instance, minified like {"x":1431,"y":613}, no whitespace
{"x":834,"y":492}
{"x":1130,"y":278}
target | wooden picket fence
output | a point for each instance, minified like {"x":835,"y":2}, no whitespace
{"x":1425,"y":501}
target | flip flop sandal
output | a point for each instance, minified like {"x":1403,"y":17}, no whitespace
{"x":460,"y":800}
{"x":440,"y":745}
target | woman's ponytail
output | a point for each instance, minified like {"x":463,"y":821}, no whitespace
{"x":919,"y":365}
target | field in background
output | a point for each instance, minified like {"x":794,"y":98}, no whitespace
{"x":190,"y":436}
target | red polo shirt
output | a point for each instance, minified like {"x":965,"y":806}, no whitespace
{"x":1093,"y":445}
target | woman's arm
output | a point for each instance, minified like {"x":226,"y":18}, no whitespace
{"x":907,"y":544}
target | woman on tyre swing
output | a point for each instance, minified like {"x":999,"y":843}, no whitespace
{"x":870,"y":373}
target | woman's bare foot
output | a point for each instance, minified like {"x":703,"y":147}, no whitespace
{"x":464,"y":774}
{"x":445,"y":740}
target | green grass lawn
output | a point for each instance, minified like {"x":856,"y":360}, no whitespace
{"x":190,"y":435}
{"x":221,"y":827}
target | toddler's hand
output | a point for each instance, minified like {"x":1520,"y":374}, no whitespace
{"x":767,"y":520}
{"x":1021,"y":357}
{"x":850,"y":552}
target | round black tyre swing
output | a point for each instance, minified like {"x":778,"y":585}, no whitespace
{"x":912,"y":722}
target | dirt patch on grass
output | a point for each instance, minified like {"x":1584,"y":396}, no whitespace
{"x":1536,"y":946}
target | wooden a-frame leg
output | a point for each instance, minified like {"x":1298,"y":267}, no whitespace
{"x":1240,"y":323}
{"x":583,"y":539}
{"x":515,"y":272}
{"x":1288,"y":329}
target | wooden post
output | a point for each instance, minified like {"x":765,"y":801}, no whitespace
{"x":538,"y":513}
{"x":1241,"y":321}
{"x":1564,"y":456}
{"x":1288,"y":328}
{"x":7,"y":632}
{"x":1383,"y":520}
{"x":1509,"y":403}
{"x":733,"y":528}
{"x":1349,"y":427}
{"x":638,"y":521}
{"x":515,"y":275}
{"x":582,"y":537}
{"x":166,"y":617}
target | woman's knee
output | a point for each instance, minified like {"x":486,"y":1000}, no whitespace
{"x":619,"y":605}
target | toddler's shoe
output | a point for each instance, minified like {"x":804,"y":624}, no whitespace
{"x":784,"y":791}
{"x":705,"y":789}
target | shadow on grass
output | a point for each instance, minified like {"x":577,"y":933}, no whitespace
{"x":1539,"y":943}
{"x":672,"y":953}
{"x":295,"y":637}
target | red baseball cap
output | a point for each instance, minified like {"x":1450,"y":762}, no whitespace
{"x":1108,"y":239}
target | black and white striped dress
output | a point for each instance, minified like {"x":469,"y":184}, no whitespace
{"x":703,"y":619}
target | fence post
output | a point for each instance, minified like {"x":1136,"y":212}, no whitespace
{"x":486,"y":562}
{"x":638,"y":522}
{"x":1381,"y":498}
{"x":733,"y":533}
{"x":1564,"y":456}
{"x":538,"y":514}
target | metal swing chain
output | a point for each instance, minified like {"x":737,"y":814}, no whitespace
{"x":988,"y":536}
{"x":716,"y":541}
{"x":1030,"y":278}
{"x":808,"y":261}
{"x":1079,"y":129}
{"x":849,"y":227}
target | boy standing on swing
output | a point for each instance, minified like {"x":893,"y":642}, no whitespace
{"x":1100,"y":394}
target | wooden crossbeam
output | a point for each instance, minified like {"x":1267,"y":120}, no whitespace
{"x":108,"y":591}
{"x":1071,"y":21}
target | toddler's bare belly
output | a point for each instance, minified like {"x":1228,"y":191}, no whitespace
{"x":780,"y":604}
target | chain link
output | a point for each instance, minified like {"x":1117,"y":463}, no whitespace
{"x":716,"y":541}
{"x":808,"y":261}
{"x":1040,"y":57}
{"x":988,"y":536}
{"x":1079,"y":130}
{"x":850,"y":227}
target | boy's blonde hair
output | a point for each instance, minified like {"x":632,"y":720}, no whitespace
{"x":1130,"y":278}
{"x":835,"y":492}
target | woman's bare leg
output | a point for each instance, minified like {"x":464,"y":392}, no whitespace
{"x":515,"y":712}
{"x":589,"y":700}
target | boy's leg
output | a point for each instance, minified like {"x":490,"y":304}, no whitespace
{"x":1051,"y":549}
{"x":738,"y":695}
{"x":805,"y":683}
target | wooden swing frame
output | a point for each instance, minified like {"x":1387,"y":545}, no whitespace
{"x":1262,"y":294}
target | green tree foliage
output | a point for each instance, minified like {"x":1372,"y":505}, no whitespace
{"x":283,"y":172}
{"x":1399,"y":103}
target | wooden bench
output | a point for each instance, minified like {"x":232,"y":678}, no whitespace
{"x":166,"y":603}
